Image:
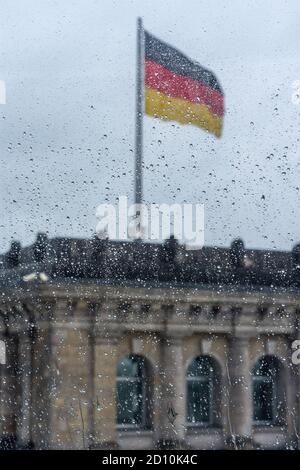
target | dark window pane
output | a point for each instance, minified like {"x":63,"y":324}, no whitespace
{"x":129,"y":402}
{"x":263,"y":400}
{"x":199,"y":394}
{"x":130,"y":367}
{"x":266,"y":367}
{"x":201,"y":366}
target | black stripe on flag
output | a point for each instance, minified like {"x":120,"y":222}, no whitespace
{"x":172,"y":59}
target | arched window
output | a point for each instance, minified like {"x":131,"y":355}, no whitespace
{"x":133,"y":392}
{"x":202,"y":403}
{"x":268,"y":396}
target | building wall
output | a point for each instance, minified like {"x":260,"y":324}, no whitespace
{"x":58,"y":389}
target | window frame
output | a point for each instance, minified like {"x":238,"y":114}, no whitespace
{"x":210,"y":379}
{"x":275,"y":381}
{"x":144,"y":399}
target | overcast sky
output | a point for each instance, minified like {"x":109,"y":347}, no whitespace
{"x":67,"y":130}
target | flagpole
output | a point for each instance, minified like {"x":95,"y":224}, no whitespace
{"x":140,"y":60}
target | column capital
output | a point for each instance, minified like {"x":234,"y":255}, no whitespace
{"x":240,"y":336}
{"x":110,"y":337}
{"x":173,"y":336}
{"x":243,"y":333}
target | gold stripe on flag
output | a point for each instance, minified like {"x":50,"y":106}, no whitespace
{"x":165,"y":107}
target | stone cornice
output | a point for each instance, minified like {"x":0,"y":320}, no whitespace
{"x":95,"y":292}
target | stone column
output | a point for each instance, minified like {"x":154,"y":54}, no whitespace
{"x":70,"y":413}
{"x":172,"y":409}
{"x":240,"y":393}
{"x":104,"y":402}
{"x":23,"y":422}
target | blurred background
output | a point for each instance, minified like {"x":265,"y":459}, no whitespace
{"x":67,"y":130}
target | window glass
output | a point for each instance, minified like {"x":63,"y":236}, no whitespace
{"x":266,"y":403}
{"x":200,"y":376}
{"x":133,"y":393}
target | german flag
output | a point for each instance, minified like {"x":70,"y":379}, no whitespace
{"x":179,"y":89}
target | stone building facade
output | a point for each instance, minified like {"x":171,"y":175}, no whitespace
{"x":135,"y":345}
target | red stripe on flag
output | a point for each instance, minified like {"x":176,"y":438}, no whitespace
{"x":161,"y":79}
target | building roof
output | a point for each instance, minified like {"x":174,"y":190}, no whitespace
{"x":143,"y":262}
